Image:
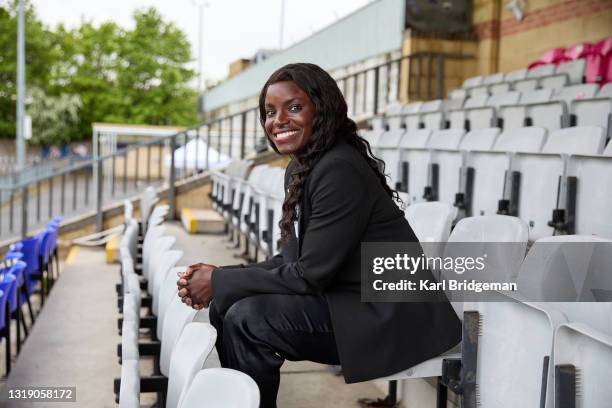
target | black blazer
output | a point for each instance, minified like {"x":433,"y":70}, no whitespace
{"x":343,"y":205}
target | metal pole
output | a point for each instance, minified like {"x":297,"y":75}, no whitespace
{"x":201,"y":5}
{"x":282,"y":25}
{"x":24,"y":213}
{"x":20,"y":85}
{"x":171,"y":187}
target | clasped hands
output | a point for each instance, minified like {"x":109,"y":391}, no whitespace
{"x":194,"y":285}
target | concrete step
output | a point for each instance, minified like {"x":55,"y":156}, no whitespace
{"x":202,"y":221}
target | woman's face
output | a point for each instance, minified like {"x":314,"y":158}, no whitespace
{"x":289,"y":116}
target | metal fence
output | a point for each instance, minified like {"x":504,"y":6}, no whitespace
{"x":84,"y":188}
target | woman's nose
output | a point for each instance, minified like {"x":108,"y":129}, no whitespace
{"x":281,"y":118}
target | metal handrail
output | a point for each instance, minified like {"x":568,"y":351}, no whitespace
{"x":87,"y":183}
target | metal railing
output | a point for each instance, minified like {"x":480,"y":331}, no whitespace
{"x":84,"y":188}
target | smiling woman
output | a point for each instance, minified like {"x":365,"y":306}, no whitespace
{"x":302,"y":304}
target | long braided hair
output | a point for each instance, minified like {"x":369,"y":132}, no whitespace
{"x":330,"y":123}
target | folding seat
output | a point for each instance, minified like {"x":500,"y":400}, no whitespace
{"x":188,"y":356}
{"x":248,"y":209}
{"x":414,"y":162}
{"x":457,"y":94}
{"x":7,"y":284}
{"x":500,"y":87}
{"x":493,"y":78}
{"x":448,"y":176}
{"x":573,"y":69}
{"x":478,"y":90}
{"x":488,"y":174}
{"x":149,"y":240}
{"x":516,"y":75}
{"x":472,"y":82}
{"x":525,"y":85}
{"x":444,"y":165}
{"x":553,"y":115}
{"x":511,"y":351}
{"x":587,"y":195}
{"x":169,"y":260}
{"x":431,"y":222}
{"x":388,"y":151}
{"x":159,"y":248}
{"x":431,"y":115}
{"x":541,"y":70}
{"x":264,"y":204}
{"x":538,"y":176}
{"x":456,"y":119}
{"x":578,"y":51}
{"x":513,"y":116}
{"x":221,"y":388}
{"x":486,"y":116}
{"x":593,"y":111}
{"x":582,"y":358}
{"x":128,"y":210}
{"x":260,"y":192}
{"x":452,"y":104}
{"x":409,"y":118}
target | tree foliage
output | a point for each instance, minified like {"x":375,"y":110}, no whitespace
{"x":116,"y":75}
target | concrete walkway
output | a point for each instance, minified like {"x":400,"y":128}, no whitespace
{"x":74,"y":340}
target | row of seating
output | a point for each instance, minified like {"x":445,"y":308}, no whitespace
{"x":180,"y":342}
{"x":550,"y":180}
{"x":560,"y":328}
{"x":30,"y":265}
{"x":576,"y":105}
{"x":539,"y":336}
{"x":582,"y":63}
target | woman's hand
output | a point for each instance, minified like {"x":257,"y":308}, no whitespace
{"x":194,"y":285}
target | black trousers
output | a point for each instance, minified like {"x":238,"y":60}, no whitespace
{"x":258,"y":333}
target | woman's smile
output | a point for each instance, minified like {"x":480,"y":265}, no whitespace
{"x":289,"y":115}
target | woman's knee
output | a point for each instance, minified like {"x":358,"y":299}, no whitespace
{"x":246,"y":313}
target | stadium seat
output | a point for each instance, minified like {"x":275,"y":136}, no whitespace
{"x":592,"y":197}
{"x":541,"y":70}
{"x":493,"y":78}
{"x":554,"y":114}
{"x":447,"y":174}
{"x":129,"y":394}
{"x":169,"y":260}
{"x":573,"y":69}
{"x":388,"y":151}
{"x":431,"y":222}
{"x":598,"y":62}
{"x":593,"y":111}
{"x":456,"y":119}
{"x":526,"y":85}
{"x":177,"y":317}
{"x":512,"y":350}
{"x":516,"y":75}
{"x":541,"y":173}
{"x":191,"y":351}
{"x":491,"y":170}
{"x":414,"y":162}
{"x":582,"y":358}
{"x":457,"y":94}
{"x":485,"y":117}
{"x":221,"y":388}
{"x":473,"y":81}
{"x":431,"y":115}
{"x":513,"y":116}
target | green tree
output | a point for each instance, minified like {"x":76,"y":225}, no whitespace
{"x":39,"y":57}
{"x":53,"y":117}
{"x":119,"y":76}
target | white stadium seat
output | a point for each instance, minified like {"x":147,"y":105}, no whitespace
{"x":221,"y":388}
{"x":414,"y":162}
{"x":541,"y":70}
{"x":513,"y":117}
{"x":582,"y":356}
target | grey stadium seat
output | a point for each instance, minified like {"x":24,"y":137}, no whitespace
{"x":513,"y":116}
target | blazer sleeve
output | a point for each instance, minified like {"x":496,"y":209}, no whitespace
{"x":340,"y":208}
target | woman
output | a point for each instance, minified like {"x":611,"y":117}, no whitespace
{"x":305,"y":303}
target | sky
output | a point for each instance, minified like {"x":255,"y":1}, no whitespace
{"x":233,"y":29}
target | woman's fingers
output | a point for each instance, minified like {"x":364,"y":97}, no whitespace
{"x":183,"y":292}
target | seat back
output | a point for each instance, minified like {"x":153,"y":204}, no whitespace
{"x":575,"y":140}
{"x":515,"y":339}
{"x":573,"y":69}
{"x":541,"y":70}
{"x":221,"y":388}
{"x":514,"y":116}
{"x":160,"y":246}
{"x":168,"y":261}
{"x":589,"y":352}
{"x":177,"y":317}
{"x":414,"y":161}
{"x":593,"y":197}
{"x":516,"y":75}
{"x":191,"y":351}
{"x":431,"y":222}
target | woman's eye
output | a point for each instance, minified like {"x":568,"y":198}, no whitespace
{"x":295,"y":108}
{"x":269,"y":113}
